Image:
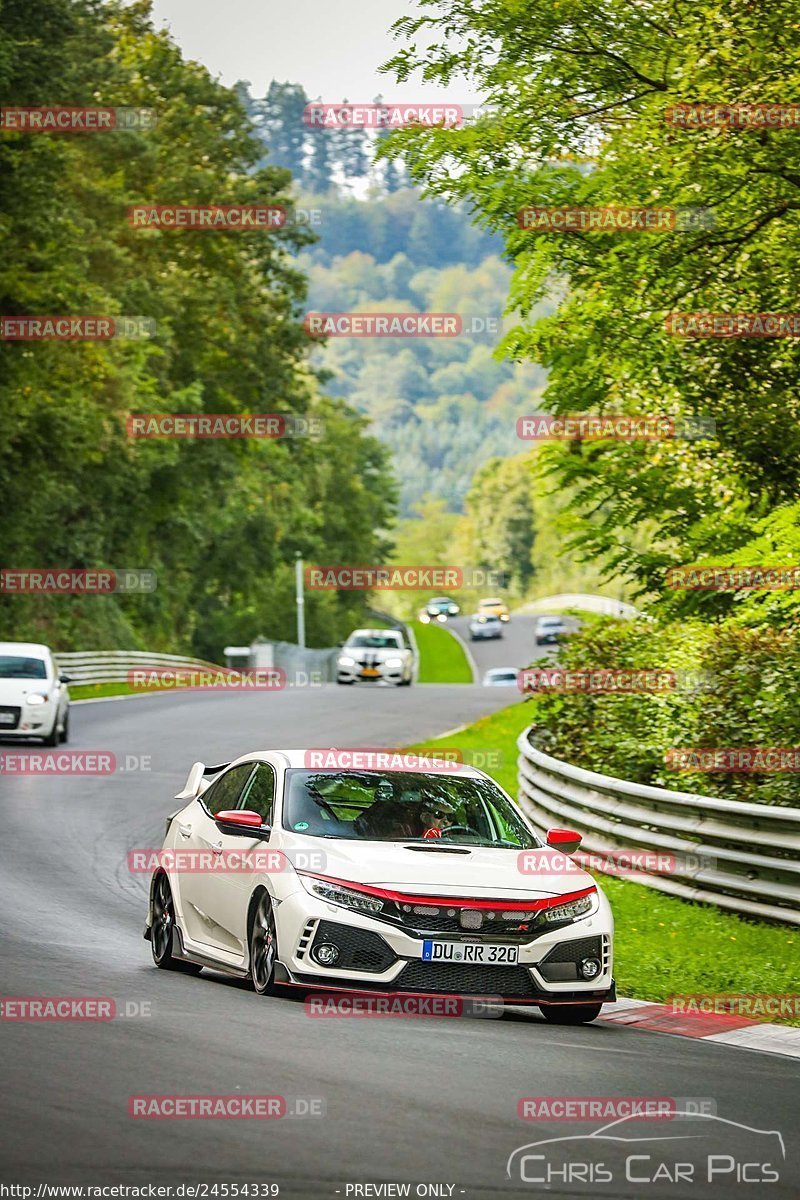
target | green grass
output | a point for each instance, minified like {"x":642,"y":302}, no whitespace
{"x":441,"y":655}
{"x":663,"y":946}
{"x":92,"y":691}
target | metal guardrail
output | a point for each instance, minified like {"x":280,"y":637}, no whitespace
{"x":112,"y":666}
{"x":751,"y":851}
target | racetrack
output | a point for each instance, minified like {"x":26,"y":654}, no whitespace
{"x":516,"y":648}
{"x":423,"y":1100}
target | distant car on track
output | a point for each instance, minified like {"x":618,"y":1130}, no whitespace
{"x":439,"y":609}
{"x":494,"y":607}
{"x":372,"y":655}
{"x":550,"y":630}
{"x":387,"y":875}
{"x":34,"y":700}
{"x":501,"y":677}
{"x":485,"y":626}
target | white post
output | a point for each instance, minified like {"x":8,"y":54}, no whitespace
{"x":300,"y":600}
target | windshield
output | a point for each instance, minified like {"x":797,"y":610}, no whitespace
{"x":399,"y":806}
{"x":14,"y":667}
{"x":376,"y":641}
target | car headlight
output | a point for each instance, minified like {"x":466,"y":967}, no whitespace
{"x":346,"y":661}
{"x":393,"y":662}
{"x":37,"y":698}
{"x":572,"y":909}
{"x":337,"y":893}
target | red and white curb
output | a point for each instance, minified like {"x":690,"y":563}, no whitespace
{"x":727,"y":1028}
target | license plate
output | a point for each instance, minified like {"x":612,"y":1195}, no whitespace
{"x":468,"y":952}
{"x":7,"y":719}
{"x":372,"y":671}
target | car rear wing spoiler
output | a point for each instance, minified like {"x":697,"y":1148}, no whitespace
{"x":198,"y":780}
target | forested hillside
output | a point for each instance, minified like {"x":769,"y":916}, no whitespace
{"x":444,"y":406}
{"x":219,"y":521}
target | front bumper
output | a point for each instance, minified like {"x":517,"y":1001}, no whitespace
{"x":357,"y":674}
{"x":377,"y":956}
{"x":28,"y":720}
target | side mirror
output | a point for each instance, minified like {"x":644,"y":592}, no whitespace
{"x":242,"y":821}
{"x":62,"y":678}
{"x":564,"y":839}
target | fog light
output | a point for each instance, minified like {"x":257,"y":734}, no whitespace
{"x":590,"y":967}
{"x":326,"y":954}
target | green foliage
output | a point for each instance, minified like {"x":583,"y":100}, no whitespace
{"x":737,"y":688}
{"x":219,"y":521}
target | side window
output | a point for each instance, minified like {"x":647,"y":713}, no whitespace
{"x":224,"y":794}
{"x":260,"y":792}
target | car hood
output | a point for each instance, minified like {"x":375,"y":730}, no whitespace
{"x":14,"y":691}
{"x":481,"y":872}
{"x":375,"y":654}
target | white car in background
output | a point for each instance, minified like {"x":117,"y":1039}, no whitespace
{"x":484,"y":627}
{"x":376,"y":872}
{"x":372,"y":655}
{"x":550,"y":630}
{"x":501,"y":677}
{"x":34,"y":700}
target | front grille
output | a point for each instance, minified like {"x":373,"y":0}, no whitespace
{"x":7,"y":710}
{"x":464,"y":980}
{"x":359,"y":949}
{"x":561,"y":963}
{"x":516,"y":928}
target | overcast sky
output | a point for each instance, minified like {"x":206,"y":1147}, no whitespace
{"x":333,"y":49}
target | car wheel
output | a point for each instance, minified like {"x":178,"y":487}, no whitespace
{"x":570,"y":1014}
{"x":345,"y":682}
{"x":52,"y":738}
{"x":161,"y":930}
{"x":263,"y":947}
{"x":65,"y":730}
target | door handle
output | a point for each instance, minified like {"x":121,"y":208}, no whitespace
{"x":217,"y":848}
{"x":185,"y":831}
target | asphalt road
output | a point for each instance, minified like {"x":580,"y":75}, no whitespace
{"x":516,"y":648}
{"x":419,"y":1101}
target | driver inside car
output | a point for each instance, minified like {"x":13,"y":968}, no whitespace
{"x":436,"y":815}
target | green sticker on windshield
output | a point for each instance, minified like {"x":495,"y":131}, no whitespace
{"x":301,"y":825}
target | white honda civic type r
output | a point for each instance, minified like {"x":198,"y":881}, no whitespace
{"x":376,"y":872}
